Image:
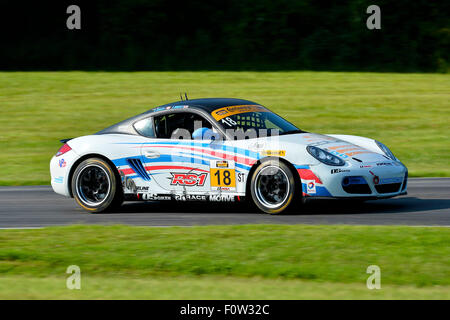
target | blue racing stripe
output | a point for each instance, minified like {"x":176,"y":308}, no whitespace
{"x":213,"y":146}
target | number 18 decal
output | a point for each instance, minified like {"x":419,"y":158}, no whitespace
{"x":223,"y":175}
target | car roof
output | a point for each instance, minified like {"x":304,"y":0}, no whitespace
{"x":208,"y":105}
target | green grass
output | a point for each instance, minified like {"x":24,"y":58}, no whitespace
{"x":229,"y":262}
{"x":408,"y":112}
{"x":206,"y":288}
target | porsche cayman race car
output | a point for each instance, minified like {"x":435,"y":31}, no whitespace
{"x":221,"y":150}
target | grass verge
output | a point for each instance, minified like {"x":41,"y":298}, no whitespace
{"x":260,"y":261}
{"x":206,"y":288}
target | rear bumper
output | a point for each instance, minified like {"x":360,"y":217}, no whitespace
{"x":60,"y":171}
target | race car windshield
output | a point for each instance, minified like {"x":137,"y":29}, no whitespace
{"x":252,"y":121}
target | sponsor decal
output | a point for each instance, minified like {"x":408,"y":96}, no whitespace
{"x":188,"y":179}
{"x":384,"y":164}
{"x":221,"y":112}
{"x":223,"y":188}
{"x":221,"y":198}
{"x":311,"y":186}
{"x":231,"y":110}
{"x":191,"y":197}
{"x":270,"y":153}
{"x":142,"y":189}
{"x":333,"y":171}
{"x":62,"y":163}
{"x":365,"y":166}
{"x":222,"y":164}
{"x":180,"y":107}
{"x":58,"y":179}
{"x":170,"y":107}
{"x":153,"y":196}
{"x":128,"y":184}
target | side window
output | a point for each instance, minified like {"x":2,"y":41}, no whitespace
{"x":145,"y":127}
{"x":179,"y":125}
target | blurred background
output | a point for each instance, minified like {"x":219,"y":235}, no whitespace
{"x":226,"y":35}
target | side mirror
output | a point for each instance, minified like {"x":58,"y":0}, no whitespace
{"x":204,"y":134}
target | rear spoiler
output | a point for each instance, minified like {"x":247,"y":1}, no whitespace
{"x":65,"y":140}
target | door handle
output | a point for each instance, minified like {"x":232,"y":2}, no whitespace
{"x":151,"y":154}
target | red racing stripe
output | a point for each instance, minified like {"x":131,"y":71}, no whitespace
{"x":127,"y":171}
{"x":306,"y":174}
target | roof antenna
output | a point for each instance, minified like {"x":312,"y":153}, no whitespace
{"x":185,"y":94}
{"x":181,"y":97}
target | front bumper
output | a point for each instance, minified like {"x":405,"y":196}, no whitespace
{"x":362,"y":181}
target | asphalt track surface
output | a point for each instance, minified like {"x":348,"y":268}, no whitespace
{"x":427,"y":204}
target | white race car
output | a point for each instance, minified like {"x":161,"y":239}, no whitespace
{"x":221,"y":150}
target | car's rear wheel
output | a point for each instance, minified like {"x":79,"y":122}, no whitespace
{"x":95,"y":186}
{"x":272,"y":186}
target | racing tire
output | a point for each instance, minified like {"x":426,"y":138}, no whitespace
{"x":272,"y":186}
{"x":96,"y":187}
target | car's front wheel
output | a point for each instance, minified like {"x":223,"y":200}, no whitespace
{"x":272,"y":186}
{"x":95,"y":187}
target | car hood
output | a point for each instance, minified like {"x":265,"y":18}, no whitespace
{"x":336,"y":146}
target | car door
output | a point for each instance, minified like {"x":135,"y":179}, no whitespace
{"x":175,"y":161}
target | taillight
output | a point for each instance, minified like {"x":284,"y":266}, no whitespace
{"x":63,"y":149}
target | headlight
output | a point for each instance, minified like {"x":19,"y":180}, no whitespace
{"x":325,"y":156}
{"x":386,"y":151}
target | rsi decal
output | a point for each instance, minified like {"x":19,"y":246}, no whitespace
{"x":188,"y":179}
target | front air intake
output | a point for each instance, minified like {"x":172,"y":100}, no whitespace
{"x":355,"y":185}
{"x":388,"y":187}
{"x":137,"y":166}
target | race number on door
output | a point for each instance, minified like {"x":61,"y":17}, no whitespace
{"x":223,"y":175}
